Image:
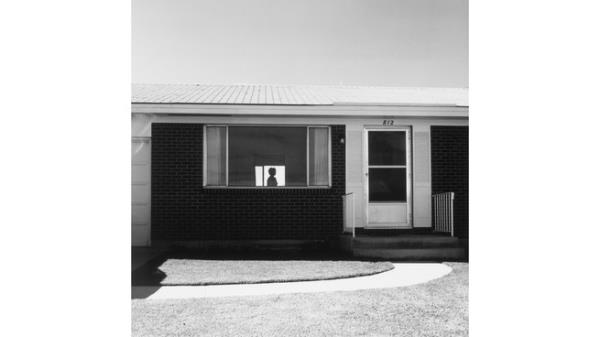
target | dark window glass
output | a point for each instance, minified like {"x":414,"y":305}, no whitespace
{"x":387,"y":184}
{"x":267,"y":156}
{"x":387,"y":148}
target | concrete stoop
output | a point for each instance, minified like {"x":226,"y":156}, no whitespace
{"x":421,"y":247}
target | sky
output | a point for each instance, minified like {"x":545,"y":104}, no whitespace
{"x":414,"y":43}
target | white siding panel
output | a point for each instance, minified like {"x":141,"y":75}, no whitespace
{"x":421,"y":157}
{"x":140,"y":192}
{"x":141,"y":125}
{"x":354,"y":170}
{"x":140,"y":174}
{"x":422,"y":178}
{"x":140,"y":152}
{"x":140,"y":215}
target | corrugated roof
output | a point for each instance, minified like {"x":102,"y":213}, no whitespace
{"x":297,"y":95}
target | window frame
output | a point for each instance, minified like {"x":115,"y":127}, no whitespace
{"x":226,"y":186}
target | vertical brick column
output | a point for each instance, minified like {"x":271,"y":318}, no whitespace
{"x":450,"y":170}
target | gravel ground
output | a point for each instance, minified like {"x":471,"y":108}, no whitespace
{"x":205,"y":272}
{"x":435,"y":308}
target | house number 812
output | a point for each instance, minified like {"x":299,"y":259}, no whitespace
{"x":388,"y":122}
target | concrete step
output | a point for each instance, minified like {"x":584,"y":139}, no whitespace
{"x":431,"y":254}
{"x":416,"y":241}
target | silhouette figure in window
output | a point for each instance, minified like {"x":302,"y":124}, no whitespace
{"x":272,"y":181}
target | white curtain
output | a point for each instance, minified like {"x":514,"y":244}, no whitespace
{"x":215,"y":155}
{"x":318,"y":156}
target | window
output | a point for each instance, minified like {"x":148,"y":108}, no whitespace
{"x":267,"y":156}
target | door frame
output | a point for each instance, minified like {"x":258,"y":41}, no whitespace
{"x":409,"y":168}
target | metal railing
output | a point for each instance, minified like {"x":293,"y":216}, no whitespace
{"x":348,"y":202}
{"x":443,"y":212}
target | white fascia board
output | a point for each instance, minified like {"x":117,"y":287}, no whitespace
{"x":302,"y":110}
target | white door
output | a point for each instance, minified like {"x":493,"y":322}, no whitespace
{"x":387,"y":170}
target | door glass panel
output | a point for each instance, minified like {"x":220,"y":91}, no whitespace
{"x":387,"y":148}
{"x":387,"y":184}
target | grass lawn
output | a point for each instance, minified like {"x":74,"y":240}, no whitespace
{"x":204,"y":272}
{"x":435,"y":308}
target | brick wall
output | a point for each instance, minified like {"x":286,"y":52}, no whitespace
{"x":183,"y":210}
{"x":450,"y":170}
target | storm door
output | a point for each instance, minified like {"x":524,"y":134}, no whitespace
{"x":387,"y":178}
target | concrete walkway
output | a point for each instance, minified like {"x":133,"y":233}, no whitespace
{"x":403,"y":274}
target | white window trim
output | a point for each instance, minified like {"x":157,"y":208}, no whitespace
{"x":226,"y":186}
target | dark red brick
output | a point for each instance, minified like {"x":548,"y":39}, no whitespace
{"x":450,"y":170}
{"x":183,"y":210}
